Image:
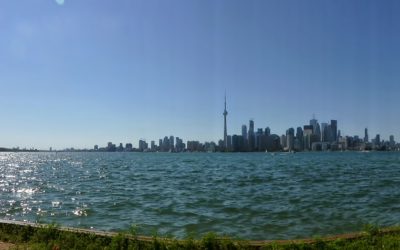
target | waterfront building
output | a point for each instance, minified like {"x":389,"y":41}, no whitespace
{"x":128,"y":147}
{"x":259,"y":139}
{"x":316,"y":128}
{"x":325,"y":132}
{"x":299,"y":141}
{"x":392,"y":143}
{"x":225,"y":128}
{"x":242,"y":147}
{"x":273,"y":143}
{"x":165,"y":144}
{"x":153,"y":146}
{"x":349,"y":142}
{"x":356,"y":142}
{"x":194,"y":146}
{"x":179,"y":145}
{"x":366,"y":139}
{"x":229,"y":143}
{"x":244,"y":135}
{"x":251,"y":126}
{"x":316,"y":146}
{"x":221,"y":145}
{"x":257,"y":135}
{"x":120,"y":147}
{"x":329,"y":133}
{"x":290,"y":139}
{"x":178,"y":142}
{"x":342,"y":145}
{"x":209,"y":146}
{"x":143,"y":145}
{"x":251,"y":136}
{"x":315,"y":138}
{"x":111,"y":147}
{"x":377,"y":140}
{"x":267,"y":131}
{"x":236,"y":143}
{"x":298,"y":144}
{"x":334,"y":130}
{"x":244,"y":131}
{"x":307,"y":132}
{"x":160,"y":144}
{"x":262,"y":143}
{"x":96,"y":147}
{"x":283,"y":141}
{"x":171,"y":143}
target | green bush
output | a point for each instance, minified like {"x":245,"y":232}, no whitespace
{"x":53,"y":238}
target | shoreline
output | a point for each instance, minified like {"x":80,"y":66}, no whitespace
{"x":23,"y":229}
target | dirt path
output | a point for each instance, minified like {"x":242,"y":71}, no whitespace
{"x":5,"y":246}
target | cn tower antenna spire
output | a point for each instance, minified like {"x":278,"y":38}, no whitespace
{"x":225,"y":99}
{"x":225,"y":129}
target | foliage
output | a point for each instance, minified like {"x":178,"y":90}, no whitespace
{"x":51,"y":237}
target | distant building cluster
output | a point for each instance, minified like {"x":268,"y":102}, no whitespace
{"x":167,"y":144}
{"x":114,"y":148}
{"x":310,"y":137}
{"x":314,"y":136}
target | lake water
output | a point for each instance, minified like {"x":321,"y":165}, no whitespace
{"x":246,"y":195}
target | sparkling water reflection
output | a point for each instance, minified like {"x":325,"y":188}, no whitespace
{"x":253,"y":195}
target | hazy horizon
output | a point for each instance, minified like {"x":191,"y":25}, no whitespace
{"x":80,"y":73}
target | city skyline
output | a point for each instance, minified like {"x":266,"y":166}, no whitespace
{"x":317,"y":128}
{"x":313,"y":136}
{"x":84,"y":72}
{"x":224,"y":143}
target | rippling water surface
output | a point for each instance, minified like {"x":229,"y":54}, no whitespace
{"x":253,"y":195}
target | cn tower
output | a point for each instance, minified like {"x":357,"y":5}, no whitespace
{"x":225,"y":132}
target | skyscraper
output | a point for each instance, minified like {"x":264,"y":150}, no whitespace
{"x":143,"y":145}
{"x":334,"y":130}
{"x":307,"y":132}
{"x":366,"y":139}
{"x":258,"y":138}
{"x":325,"y":132}
{"x":225,"y":130}
{"x":290,"y":139}
{"x":283,"y":141}
{"x":392,"y":143}
{"x":377,"y":140}
{"x":244,"y":132}
{"x":171,"y":143}
{"x":267,"y":131}
{"x":244,"y":135}
{"x":316,"y":128}
{"x":165,"y":144}
{"x":251,"y":136}
{"x":229,"y":143}
{"x":299,"y":141}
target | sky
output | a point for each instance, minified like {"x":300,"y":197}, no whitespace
{"x":76,"y":73}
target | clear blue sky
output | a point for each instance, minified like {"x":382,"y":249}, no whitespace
{"x":87,"y":72}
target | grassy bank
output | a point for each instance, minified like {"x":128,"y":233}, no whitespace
{"x":55,"y":238}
